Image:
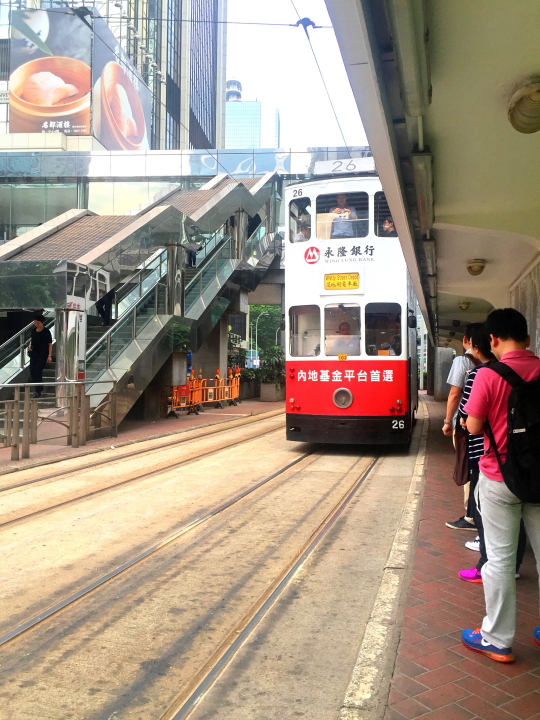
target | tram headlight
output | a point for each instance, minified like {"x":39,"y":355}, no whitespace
{"x":342,"y":398}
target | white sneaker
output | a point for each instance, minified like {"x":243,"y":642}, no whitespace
{"x":473,"y":544}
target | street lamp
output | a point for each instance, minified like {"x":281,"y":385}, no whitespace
{"x":277,"y":334}
{"x":256,"y":329}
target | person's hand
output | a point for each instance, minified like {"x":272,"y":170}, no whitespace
{"x":447,"y":429}
{"x":49,"y":358}
{"x":463,"y":422}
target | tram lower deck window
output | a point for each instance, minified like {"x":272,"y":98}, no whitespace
{"x":342,"y":215}
{"x":384,"y":222}
{"x":305,"y":331}
{"x":342,"y":329}
{"x":383,"y":329}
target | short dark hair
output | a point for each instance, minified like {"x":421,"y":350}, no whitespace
{"x":39,"y":318}
{"x":507,"y":324}
{"x":467,"y":333}
{"x":480,"y":340}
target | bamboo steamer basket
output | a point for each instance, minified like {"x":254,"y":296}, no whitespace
{"x":27,"y":117}
{"x":109,"y":132}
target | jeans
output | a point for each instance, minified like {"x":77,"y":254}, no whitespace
{"x":502,"y":512}
{"x":475,"y":514}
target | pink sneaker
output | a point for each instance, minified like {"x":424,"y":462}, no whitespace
{"x":472,"y":575}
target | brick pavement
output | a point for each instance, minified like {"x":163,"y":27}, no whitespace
{"x":436,"y":677}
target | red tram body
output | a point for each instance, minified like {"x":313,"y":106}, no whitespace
{"x":351,"y":364}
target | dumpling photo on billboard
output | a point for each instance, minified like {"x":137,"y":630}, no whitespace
{"x":50,"y":73}
{"x":121,"y":99}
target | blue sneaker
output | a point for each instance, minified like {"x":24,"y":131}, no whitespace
{"x":536,"y":635}
{"x":474,"y":641}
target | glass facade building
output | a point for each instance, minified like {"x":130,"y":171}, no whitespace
{"x":178,"y":47}
{"x":249,"y":123}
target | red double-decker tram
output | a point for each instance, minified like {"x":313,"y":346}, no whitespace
{"x":350,"y":317}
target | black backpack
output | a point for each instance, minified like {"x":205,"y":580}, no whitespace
{"x":521,"y":471}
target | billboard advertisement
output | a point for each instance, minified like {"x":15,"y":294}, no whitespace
{"x":66,"y":78}
{"x":121,"y":100}
{"x":50,"y":73}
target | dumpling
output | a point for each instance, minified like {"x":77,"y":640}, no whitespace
{"x":45,"y":88}
{"x":123,"y":114}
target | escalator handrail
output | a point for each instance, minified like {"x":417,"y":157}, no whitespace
{"x":24,"y":329}
{"x":110,"y":331}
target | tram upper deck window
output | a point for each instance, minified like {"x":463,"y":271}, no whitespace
{"x":384,"y":222}
{"x":342,"y":215}
{"x":305,"y":330}
{"x":342,"y":329}
{"x":299,"y":218}
{"x":383,"y":329}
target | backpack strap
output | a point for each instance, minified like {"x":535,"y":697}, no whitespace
{"x":493,"y":444}
{"x":506,"y":372}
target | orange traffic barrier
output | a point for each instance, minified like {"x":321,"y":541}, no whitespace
{"x":198,"y":391}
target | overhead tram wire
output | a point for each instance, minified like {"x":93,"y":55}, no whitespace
{"x":211,"y":22}
{"x":305,"y":22}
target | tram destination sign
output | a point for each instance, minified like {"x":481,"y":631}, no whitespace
{"x":342,"y":281}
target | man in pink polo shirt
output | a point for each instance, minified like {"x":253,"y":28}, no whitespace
{"x":501,"y":510}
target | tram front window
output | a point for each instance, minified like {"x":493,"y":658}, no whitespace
{"x":342,"y":329}
{"x":342,"y":215}
{"x":383,"y":329}
{"x":305,"y":330}
{"x":300,"y":219}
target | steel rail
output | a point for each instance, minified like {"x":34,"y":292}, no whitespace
{"x":142,"y":476}
{"x":127,"y":456}
{"x":70,"y":599}
{"x":205,"y":678}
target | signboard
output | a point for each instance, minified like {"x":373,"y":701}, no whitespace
{"x":121,"y":100}
{"x":64,"y":80}
{"x":342,"y":281}
{"x":340,"y":167}
{"x":50,"y":76}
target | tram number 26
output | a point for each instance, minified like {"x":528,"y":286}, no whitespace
{"x":398,"y":424}
{"x":297,"y":193}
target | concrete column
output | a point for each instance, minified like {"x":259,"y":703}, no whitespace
{"x":70,"y":335}
{"x":443,"y":363}
{"x":213,"y":352}
{"x":175,"y":279}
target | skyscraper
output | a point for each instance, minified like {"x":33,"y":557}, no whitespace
{"x":249,"y":123}
{"x":178,"y":47}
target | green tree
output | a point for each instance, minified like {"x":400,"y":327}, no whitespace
{"x":268,"y":324}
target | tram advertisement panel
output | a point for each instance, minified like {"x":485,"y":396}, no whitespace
{"x":375,"y":387}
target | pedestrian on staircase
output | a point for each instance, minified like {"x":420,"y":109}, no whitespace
{"x":40,"y":352}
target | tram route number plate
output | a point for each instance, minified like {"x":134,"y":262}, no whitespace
{"x":342,"y":281}
{"x":342,"y":357}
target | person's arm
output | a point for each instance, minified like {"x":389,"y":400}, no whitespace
{"x":475,"y":425}
{"x":49,"y":358}
{"x":454,"y":397}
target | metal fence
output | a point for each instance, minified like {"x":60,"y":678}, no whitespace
{"x":23,"y":422}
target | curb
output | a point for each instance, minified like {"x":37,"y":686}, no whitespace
{"x":367,"y":693}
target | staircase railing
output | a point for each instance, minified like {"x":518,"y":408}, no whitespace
{"x":13,"y":357}
{"x":210,"y":271}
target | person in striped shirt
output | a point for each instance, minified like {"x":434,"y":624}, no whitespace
{"x":481,"y":350}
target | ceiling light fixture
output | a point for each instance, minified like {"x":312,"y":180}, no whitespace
{"x":524,"y":109}
{"x":464,"y":305}
{"x":476,"y":266}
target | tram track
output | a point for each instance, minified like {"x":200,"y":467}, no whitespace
{"x":216,"y":429}
{"x":183,"y":706}
{"x":99,"y":582}
{"x":140,"y":477}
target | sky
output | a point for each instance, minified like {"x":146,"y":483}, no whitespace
{"x":276,"y":65}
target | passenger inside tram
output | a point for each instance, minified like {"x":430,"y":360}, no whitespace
{"x":383,"y":329}
{"x":342,"y":329}
{"x":300,"y":219}
{"x":342,"y":216}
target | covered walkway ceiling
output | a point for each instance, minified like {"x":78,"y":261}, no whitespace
{"x":433,"y":81}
